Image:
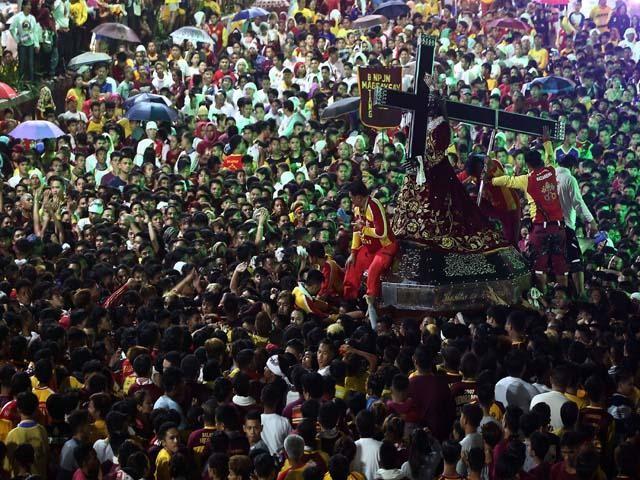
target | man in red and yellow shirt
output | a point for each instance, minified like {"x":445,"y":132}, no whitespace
{"x":331,"y":288}
{"x":305,"y":295}
{"x":501,"y":203}
{"x":372,"y":248}
{"x":547,"y":238}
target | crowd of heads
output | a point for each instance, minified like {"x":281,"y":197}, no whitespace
{"x":148,"y":323}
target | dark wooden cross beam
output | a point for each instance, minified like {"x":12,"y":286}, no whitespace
{"x":416,"y":103}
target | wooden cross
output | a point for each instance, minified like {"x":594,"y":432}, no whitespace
{"x":416,"y":103}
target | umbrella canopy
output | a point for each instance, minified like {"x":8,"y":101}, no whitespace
{"x":341,"y":107}
{"x":116,"y":31}
{"x":554,"y":85}
{"x":392,"y":9}
{"x":192,"y":34}
{"x":36,"y":130}
{"x":369,"y":21}
{"x":7,"y":92}
{"x":145,"y":111}
{"x":508,"y":24}
{"x":249,"y":13}
{"x":88,"y":58}
{"x":146,"y":98}
{"x":272,"y":5}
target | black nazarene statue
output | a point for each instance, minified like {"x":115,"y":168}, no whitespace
{"x":450,"y":257}
{"x":433,"y":208}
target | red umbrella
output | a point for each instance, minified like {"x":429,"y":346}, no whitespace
{"x":7,"y":92}
{"x":508,"y":24}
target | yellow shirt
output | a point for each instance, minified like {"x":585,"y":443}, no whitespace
{"x":428,"y":8}
{"x":128,"y":381}
{"x":163,"y":460}
{"x":78,"y":12}
{"x":95,"y":126}
{"x":259,"y":341}
{"x":495,"y":412}
{"x":79,"y":94}
{"x":580,"y":402}
{"x":34,"y":434}
{"x":356,"y":383}
{"x":540,"y":56}
{"x":98,"y":430}
{"x":308,"y":14}
{"x":213,"y":6}
{"x":601,"y":17}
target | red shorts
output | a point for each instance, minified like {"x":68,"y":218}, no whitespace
{"x":547,"y":243}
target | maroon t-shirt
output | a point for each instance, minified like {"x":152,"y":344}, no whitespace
{"x":463,"y":392}
{"x":434,"y":402}
{"x":558,"y":472}
{"x":198,"y":444}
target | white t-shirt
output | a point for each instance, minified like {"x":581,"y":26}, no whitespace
{"x":367,"y":457}
{"x":471,"y":440}
{"x":515,"y":391}
{"x":555,"y":400}
{"x":275,"y":429}
{"x":103,"y":450}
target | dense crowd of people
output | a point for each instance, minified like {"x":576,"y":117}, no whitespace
{"x":172,"y":292}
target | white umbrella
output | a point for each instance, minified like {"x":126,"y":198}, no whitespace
{"x":192,"y":34}
{"x":88,"y":58}
{"x":36,"y":130}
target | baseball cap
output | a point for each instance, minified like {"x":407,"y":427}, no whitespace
{"x":151,"y":125}
{"x":96,"y":207}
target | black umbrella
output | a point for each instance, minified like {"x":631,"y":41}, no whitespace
{"x":341,"y":107}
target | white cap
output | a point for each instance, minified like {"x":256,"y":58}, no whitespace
{"x":96,"y":207}
{"x":140,"y":48}
{"x":179,"y":266}
{"x":151,"y":125}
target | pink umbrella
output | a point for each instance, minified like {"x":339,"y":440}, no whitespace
{"x":554,"y":2}
{"x":508,"y":24}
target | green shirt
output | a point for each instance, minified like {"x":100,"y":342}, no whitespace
{"x":60,"y":12}
{"x":24,"y":30}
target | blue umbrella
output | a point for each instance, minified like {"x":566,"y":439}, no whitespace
{"x":146,"y":98}
{"x":145,"y":111}
{"x":554,"y":85}
{"x":36,"y":130}
{"x":392,"y":9}
{"x":250,"y":13}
